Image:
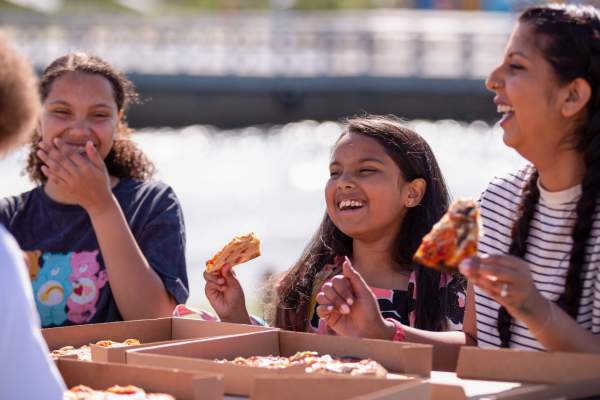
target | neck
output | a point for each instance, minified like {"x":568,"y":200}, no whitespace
{"x":372,"y":257}
{"x":562,"y":172}
{"x":62,"y":196}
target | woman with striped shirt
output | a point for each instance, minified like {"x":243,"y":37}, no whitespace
{"x":536,"y":284}
{"x":538,"y":279}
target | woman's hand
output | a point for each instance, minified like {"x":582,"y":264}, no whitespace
{"x":507,"y":279}
{"x":350,"y":308}
{"x":226,"y":295}
{"x":82,"y":177}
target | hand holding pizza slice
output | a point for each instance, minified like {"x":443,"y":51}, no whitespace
{"x":454,"y":238}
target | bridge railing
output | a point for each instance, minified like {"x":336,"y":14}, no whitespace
{"x":376,"y":43}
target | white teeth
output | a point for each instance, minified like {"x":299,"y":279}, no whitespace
{"x":349,"y":204}
{"x":503,"y":108}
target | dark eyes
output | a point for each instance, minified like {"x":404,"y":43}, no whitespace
{"x":515,"y":66}
{"x":361,"y":171}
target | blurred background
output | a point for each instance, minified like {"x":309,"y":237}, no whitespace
{"x":242,"y":100}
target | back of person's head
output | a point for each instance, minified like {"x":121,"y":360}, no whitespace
{"x":414,"y":158}
{"x":125,"y":159}
{"x":19,"y":101}
{"x":568,"y":37}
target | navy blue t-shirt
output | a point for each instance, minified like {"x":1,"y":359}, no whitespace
{"x":65,"y":263}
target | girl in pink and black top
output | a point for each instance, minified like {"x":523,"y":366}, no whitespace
{"x":384,"y":194}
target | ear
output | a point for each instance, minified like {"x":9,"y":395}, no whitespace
{"x":416,"y":190}
{"x":577,"y":95}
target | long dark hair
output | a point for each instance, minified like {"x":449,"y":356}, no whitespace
{"x":416,"y":160}
{"x":569,"y":38}
{"x":125,"y":159}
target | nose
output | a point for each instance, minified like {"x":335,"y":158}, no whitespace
{"x":345,"y":181}
{"x":494,"y":80}
{"x":80,"y":128}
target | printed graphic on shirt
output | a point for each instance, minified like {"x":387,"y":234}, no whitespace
{"x":66,"y":286}
{"x":32,"y":258}
{"x":87,"y":280}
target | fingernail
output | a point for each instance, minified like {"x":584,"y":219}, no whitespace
{"x":56,"y":141}
{"x":345,"y":309}
{"x":346,"y":259}
{"x":350,"y":301}
{"x":329,"y":308}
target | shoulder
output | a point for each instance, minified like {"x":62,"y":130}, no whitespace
{"x":510,"y":183}
{"x":10,"y":206}
{"x":9,"y":250}
{"x":149,"y":201}
{"x":505,"y":191}
{"x":148,"y":192}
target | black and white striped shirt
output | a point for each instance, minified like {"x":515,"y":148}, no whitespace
{"x":548,"y":254}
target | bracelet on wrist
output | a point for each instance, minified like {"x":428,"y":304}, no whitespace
{"x":399,"y":335}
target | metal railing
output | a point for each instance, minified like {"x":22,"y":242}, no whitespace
{"x":391,"y":43}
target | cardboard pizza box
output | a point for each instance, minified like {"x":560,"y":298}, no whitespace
{"x":180,"y":384}
{"x":405,"y":358}
{"x":312,"y":387}
{"x":147,"y":331}
{"x":517,"y":374}
{"x":527,"y":366}
{"x":440,"y":386}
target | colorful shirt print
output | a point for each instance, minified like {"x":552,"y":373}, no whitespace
{"x":65,"y":263}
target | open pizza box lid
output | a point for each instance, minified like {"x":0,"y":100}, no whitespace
{"x":183,"y":385}
{"x":405,"y":358}
{"x":147,"y":331}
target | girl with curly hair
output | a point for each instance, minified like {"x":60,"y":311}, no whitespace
{"x":103,"y":241}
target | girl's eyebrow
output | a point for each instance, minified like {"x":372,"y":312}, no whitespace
{"x":360,"y":161}
{"x":64,"y":103}
{"x":517,"y":53}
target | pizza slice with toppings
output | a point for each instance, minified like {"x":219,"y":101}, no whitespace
{"x":239,"y":250}
{"x":116,"y":392}
{"x":454,"y":238}
{"x":85,"y":352}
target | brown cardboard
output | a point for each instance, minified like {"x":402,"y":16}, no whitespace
{"x":180,"y":384}
{"x":516,"y":374}
{"x":337,"y":388}
{"x":148,"y":331}
{"x":200,"y":355}
{"x":527,"y":366}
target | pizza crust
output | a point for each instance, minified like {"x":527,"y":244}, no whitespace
{"x":82,"y":392}
{"x":239,"y":250}
{"x":84,"y":352}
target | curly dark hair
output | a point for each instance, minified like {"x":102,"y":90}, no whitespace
{"x":125,"y":159}
{"x":569,"y":38}
{"x":19,"y":101}
{"x":414,"y":158}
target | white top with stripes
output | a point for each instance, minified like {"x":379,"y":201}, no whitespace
{"x":548,"y":254}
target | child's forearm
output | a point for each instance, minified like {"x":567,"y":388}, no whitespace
{"x":138,"y":290}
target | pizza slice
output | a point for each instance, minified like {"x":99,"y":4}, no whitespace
{"x":454,"y":238}
{"x":237,"y":251}
{"x":82,"y":392}
{"x":85,"y":352}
